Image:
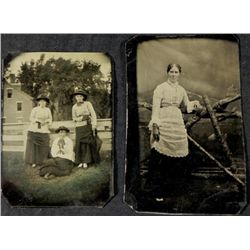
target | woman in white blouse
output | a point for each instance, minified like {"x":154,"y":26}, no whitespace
{"x":169,"y":141}
{"x":63,"y":155}
{"x":84,"y":117}
{"x":37,"y":146}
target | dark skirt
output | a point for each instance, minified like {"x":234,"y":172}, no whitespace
{"x":56,"y":166}
{"x":166,"y":175}
{"x":37,"y":147}
{"x":86,"y":147}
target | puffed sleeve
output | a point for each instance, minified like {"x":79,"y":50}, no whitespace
{"x":186,"y":102}
{"x":33,"y":115}
{"x":189,"y":105}
{"x":157,"y":97}
{"x":49,"y":120}
{"x":54,"y":148}
{"x":74,"y":117}
{"x":93,"y":114}
{"x":68,"y":148}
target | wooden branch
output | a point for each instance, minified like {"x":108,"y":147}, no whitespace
{"x":228,"y":172}
{"x":217,"y":107}
{"x":217,"y":130}
{"x":222,"y":104}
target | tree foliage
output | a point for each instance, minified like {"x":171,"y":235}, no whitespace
{"x":58,"y":77}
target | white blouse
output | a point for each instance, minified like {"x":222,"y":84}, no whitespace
{"x":171,"y":94}
{"x":83,"y":109}
{"x":41,"y":120}
{"x":66,"y":152}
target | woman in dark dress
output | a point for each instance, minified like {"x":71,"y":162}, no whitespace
{"x":84,"y":117}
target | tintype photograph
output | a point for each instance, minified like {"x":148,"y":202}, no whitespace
{"x":57,"y":129}
{"x":185,"y":138}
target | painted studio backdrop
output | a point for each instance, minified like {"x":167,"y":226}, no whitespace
{"x":211,"y":179}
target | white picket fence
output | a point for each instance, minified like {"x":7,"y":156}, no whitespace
{"x":14,"y":135}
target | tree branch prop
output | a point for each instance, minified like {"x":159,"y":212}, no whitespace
{"x":216,"y":162}
{"x":217,"y":130}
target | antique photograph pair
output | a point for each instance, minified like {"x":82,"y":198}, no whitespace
{"x":185,"y":144}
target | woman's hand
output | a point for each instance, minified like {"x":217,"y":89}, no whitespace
{"x":155,"y":132}
{"x":195,"y":106}
{"x":198,"y":108}
{"x":60,"y":151}
{"x":94,"y":130}
{"x":48,"y":121}
{"x":78,"y":119}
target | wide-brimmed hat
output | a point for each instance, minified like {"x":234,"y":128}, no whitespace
{"x":62,"y":128}
{"x":79,"y":91}
{"x":42,"y":97}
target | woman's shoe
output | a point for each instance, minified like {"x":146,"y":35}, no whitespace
{"x":85,"y":165}
{"x":159,"y":199}
{"x":46,"y":176}
{"x":80,"y":165}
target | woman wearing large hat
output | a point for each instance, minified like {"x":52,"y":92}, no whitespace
{"x":63,"y":155}
{"x":37,"y":146}
{"x":84,"y":117}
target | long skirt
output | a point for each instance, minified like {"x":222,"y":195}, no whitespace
{"x":57,"y":166}
{"x":37,"y":147}
{"x":167,"y":176}
{"x":87,"y":147}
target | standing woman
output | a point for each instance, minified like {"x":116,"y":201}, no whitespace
{"x":37,"y":147}
{"x":169,"y":141}
{"x":84,"y":117}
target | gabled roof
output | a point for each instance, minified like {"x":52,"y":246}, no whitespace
{"x":25,"y":95}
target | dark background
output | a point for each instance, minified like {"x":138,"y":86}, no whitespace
{"x":114,"y":45}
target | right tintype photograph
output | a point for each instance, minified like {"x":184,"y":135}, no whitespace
{"x":185,"y":137}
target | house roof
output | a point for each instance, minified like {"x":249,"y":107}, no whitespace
{"x":25,"y":95}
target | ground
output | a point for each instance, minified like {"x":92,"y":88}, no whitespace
{"x":23,"y":186}
{"x":195,"y":196}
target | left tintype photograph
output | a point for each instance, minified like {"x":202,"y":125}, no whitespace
{"x":57,"y":132}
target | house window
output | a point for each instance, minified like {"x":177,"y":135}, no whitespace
{"x":19,"y":106}
{"x":12,"y":78}
{"x":9,"y":93}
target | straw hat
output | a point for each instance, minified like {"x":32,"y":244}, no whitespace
{"x":62,"y":128}
{"x":42,"y":97}
{"x":79,"y":91}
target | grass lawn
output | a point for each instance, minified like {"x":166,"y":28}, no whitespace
{"x":23,"y":186}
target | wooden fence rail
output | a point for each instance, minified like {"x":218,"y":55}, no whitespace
{"x":14,"y":135}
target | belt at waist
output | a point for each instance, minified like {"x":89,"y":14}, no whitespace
{"x":82,"y":123}
{"x":166,"y":105}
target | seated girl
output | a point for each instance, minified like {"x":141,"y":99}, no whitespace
{"x":62,"y":152}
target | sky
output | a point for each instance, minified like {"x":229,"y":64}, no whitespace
{"x":100,"y":58}
{"x":209,"y":66}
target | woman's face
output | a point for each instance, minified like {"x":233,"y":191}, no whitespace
{"x":173,"y":74}
{"x":42,"y":103}
{"x":79,"y":98}
{"x":62,"y":133}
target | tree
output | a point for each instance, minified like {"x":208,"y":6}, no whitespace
{"x":58,"y":77}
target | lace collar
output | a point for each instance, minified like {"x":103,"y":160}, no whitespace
{"x":175,"y":85}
